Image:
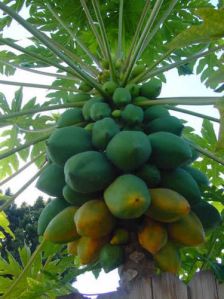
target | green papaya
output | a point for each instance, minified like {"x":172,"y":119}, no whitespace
{"x":187,"y":231}
{"x":182,"y":182}
{"x":93,"y":219}
{"x":70,"y":117}
{"x":121,"y":96}
{"x":103,"y":131}
{"x":99,"y":110}
{"x":51,"y":180}
{"x":111,"y":257}
{"x":167,"y":205}
{"x":62,"y":229}
{"x":200,"y":178}
{"x":85,"y":87}
{"x":109,"y":87}
{"x":120,"y":237}
{"x":150,"y":174}
{"x":152,"y":236}
{"x":76,"y":198}
{"x":168,"y":150}
{"x":134,"y":89}
{"x":207,"y":214}
{"x":165,"y":124}
{"x":49,"y":212}
{"x":151,"y":89}
{"x":128,"y":150}
{"x":132,"y":114}
{"x":89,"y":172}
{"x":168,"y":258}
{"x":155,"y":112}
{"x":86,"y":107}
{"x":66,"y":142}
{"x":79,"y":97}
{"x":137,"y":70}
{"x":127,"y":197}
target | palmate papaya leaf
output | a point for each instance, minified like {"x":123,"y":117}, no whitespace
{"x":211,"y":29}
{"x":207,"y":140}
{"x":4,"y":226}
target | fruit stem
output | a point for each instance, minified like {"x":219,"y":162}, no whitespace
{"x":180,"y":101}
{"x":46,"y":41}
{"x":193,"y":113}
{"x":93,"y":27}
{"x":24,"y":187}
{"x":148,"y":26}
{"x":120,"y":30}
{"x":21,"y":169}
{"x":137,"y":32}
{"x":148,"y":74}
{"x":24,"y":84}
{"x":25,"y":269}
{"x":157,"y":26}
{"x":27,"y":69}
{"x":41,"y":109}
{"x":23,"y":146}
{"x":98,"y":14}
{"x":9,"y":43}
{"x":72,"y":35}
{"x":206,"y":153}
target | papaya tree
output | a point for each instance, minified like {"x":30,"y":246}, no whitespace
{"x":126,"y":174}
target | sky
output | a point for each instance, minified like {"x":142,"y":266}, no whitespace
{"x":175,"y":87}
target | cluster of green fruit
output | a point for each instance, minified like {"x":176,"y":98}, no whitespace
{"x":125,"y":171}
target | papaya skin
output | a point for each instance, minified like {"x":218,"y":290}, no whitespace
{"x":72,"y":247}
{"x":167,"y":205}
{"x":58,"y":233}
{"x":168,"y":258}
{"x":127,"y":197}
{"x":88,"y":249}
{"x":187,"y":231}
{"x":152,"y":236}
{"x":94,"y":220}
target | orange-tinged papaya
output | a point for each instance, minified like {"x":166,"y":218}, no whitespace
{"x":152,"y":236}
{"x":187,"y":231}
{"x":72,"y":247}
{"x":61,"y":228}
{"x":168,"y":258}
{"x":88,"y":249}
{"x":167,"y":205}
{"x":94,"y":220}
{"x":120,"y":237}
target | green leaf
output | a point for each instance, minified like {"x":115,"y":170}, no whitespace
{"x":218,"y":270}
{"x":4,"y":224}
{"x":211,"y":29}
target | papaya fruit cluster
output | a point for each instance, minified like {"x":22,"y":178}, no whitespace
{"x":118,"y":170}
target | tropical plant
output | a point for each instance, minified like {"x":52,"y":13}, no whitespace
{"x":82,"y":46}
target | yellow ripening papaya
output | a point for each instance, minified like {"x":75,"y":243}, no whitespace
{"x":93,"y":219}
{"x":187,"y":231}
{"x":61,"y":228}
{"x":72,"y":247}
{"x":167,"y":205}
{"x":168,"y":258}
{"x":88,"y":249}
{"x":152,"y":236}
